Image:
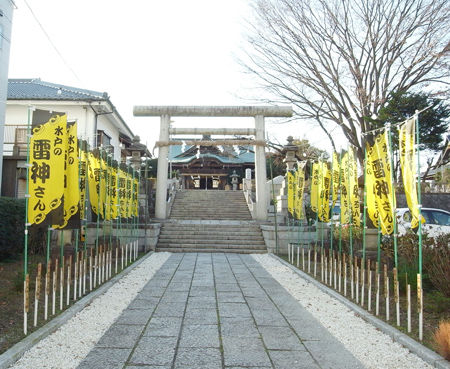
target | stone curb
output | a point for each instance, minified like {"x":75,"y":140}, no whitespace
{"x":10,"y":356}
{"x":421,"y":351}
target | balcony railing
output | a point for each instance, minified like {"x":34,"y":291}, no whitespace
{"x":15,"y":140}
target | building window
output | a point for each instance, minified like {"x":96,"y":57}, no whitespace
{"x":103,"y":139}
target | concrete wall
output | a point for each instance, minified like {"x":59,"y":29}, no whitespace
{"x":429,"y":200}
{"x":289,"y":234}
{"x":148,"y":237}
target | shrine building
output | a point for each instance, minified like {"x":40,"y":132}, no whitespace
{"x":209,"y":167}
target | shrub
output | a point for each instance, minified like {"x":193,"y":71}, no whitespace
{"x":437,"y":265}
{"x":442,"y":339}
{"x":437,"y":302}
{"x":344,"y":233}
{"x":12,"y":224}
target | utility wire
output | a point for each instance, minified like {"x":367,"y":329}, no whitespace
{"x":50,"y":40}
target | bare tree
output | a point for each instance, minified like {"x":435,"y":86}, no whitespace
{"x":339,"y":60}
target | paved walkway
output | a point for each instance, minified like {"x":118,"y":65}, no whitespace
{"x":216,"y":311}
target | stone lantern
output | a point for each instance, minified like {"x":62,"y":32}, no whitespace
{"x":289,"y":151}
{"x":235,"y":180}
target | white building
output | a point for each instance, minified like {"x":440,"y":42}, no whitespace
{"x":6,"y":15}
{"x":99,"y":123}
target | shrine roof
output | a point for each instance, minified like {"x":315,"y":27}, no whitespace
{"x":237,"y":154}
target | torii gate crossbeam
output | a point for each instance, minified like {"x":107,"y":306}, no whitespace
{"x":258,"y":112}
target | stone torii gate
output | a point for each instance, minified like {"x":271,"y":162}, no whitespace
{"x":258,"y":112}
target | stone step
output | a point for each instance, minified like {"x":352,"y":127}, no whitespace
{"x":216,"y":192}
{"x":197,"y":241}
{"x":207,"y":205}
{"x":211,"y":210}
{"x":217,"y":234}
{"x":211,"y":221}
{"x":215,"y":207}
{"x":186,"y":217}
{"x":211,"y":245}
{"x":211,"y":217}
{"x":211,"y":232}
{"x":188,"y":249}
{"x":212,"y":225}
{"x":206,"y":216}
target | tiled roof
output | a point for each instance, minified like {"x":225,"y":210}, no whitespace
{"x":35,"y":89}
{"x":244,"y":156}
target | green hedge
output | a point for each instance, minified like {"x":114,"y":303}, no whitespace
{"x":12,"y":225}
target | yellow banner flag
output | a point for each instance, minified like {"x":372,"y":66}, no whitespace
{"x":94,"y":179}
{"x":123,"y":192}
{"x":335,"y":177}
{"x":407,"y":140}
{"x":299,"y":190}
{"x":103,"y":184}
{"x":129,"y":193}
{"x":324,"y":192}
{"x":371,"y":200}
{"x":71,"y":180}
{"x":354,"y":188}
{"x":315,"y":187}
{"x":46,"y":172}
{"x":345,"y":185}
{"x":379,"y":184}
{"x":290,"y":193}
{"x":114,"y":191}
{"x":108,"y":176}
{"x":83,"y":173}
{"x":136,"y":196}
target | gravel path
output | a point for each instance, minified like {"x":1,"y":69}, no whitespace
{"x":70,"y":344}
{"x":373,"y":348}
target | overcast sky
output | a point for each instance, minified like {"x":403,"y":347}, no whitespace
{"x":144,"y":52}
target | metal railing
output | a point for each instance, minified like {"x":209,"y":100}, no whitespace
{"x":15,"y":140}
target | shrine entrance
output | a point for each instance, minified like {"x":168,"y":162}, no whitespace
{"x":257,"y":112}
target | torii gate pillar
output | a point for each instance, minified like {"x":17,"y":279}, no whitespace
{"x":260,"y":171}
{"x":258,"y":112}
{"x":161,"y":175}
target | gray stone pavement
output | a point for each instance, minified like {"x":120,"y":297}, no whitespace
{"x":216,"y":311}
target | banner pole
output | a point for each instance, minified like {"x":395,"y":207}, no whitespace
{"x":340,"y":191}
{"x":364,"y":207}
{"x":363,"y":261}
{"x":394,"y":213}
{"x":119,"y":212}
{"x":133,"y":218}
{"x":394,"y":210}
{"x":331,"y":218}
{"x":104,"y":171}
{"x":274,"y":206}
{"x":322,"y":212}
{"x":419,"y":200}
{"x":109,"y":162}
{"x":27,"y":224}
{"x":84,"y":220}
{"x":350,"y":215}
{"x":97,"y":230}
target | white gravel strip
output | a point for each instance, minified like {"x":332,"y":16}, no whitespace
{"x":70,"y":344}
{"x":373,"y":348}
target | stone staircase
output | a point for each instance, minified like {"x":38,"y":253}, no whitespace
{"x":210,"y":205}
{"x":210,"y":221}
